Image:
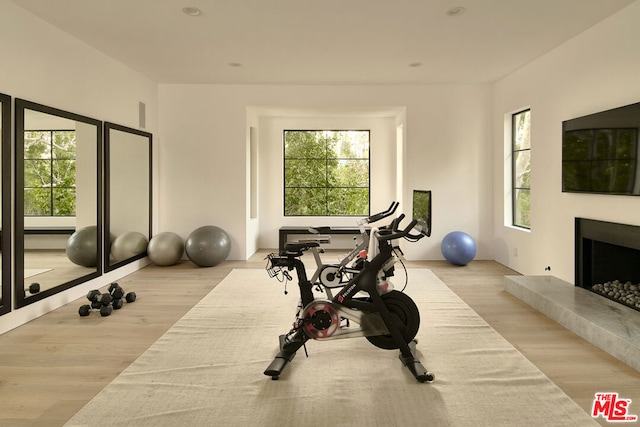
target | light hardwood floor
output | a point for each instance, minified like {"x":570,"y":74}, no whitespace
{"x":52,"y":366}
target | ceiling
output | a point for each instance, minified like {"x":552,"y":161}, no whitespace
{"x":324,"y":42}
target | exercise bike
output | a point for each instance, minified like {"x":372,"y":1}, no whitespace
{"x":387,"y":318}
{"x":338,"y":274}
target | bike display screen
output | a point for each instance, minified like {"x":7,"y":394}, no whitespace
{"x":422,"y":210}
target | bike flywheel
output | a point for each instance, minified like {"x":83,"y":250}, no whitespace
{"x":320,"y":319}
{"x":406,"y":318}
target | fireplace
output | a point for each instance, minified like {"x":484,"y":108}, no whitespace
{"x":607,"y":260}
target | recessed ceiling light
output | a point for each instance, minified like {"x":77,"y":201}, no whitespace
{"x":456,"y":11}
{"x":192,"y":11}
{"x":415,"y":64}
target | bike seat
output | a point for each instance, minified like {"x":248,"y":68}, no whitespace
{"x":299,"y":246}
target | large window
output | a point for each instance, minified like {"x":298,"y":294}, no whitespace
{"x":521,"y":168}
{"x":326,"y":172}
{"x":50,"y":173}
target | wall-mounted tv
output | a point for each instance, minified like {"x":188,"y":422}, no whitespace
{"x":600,"y":152}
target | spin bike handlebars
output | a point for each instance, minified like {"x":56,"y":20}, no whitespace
{"x":380,"y":215}
{"x":367,"y":220}
{"x":394,"y":232}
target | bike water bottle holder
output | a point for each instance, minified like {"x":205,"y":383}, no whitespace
{"x":275,"y":264}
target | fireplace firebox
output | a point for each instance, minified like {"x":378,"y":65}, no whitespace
{"x":607,"y":260}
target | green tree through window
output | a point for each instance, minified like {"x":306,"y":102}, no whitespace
{"x":521,"y":141}
{"x":50,"y":173}
{"x":326,"y":173}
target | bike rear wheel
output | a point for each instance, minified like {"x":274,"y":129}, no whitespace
{"x":406,"y":318}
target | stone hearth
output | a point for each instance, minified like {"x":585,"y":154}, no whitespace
{"x":611,"y":326}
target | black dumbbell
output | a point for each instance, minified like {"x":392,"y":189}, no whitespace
{"x":131,"y":297}
{"x":95,"y":296}
{"x":33,"y":288}
{"x":116,"y":291}
{"x":106,"y":302}
{"x":106,"y":310}
{"x":85,"y":310}
{"x":99,"y":301}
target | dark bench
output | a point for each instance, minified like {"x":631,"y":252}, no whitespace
{"x":33,"y":230}
{"x":68,"y":231}
{"x":286,"y":230}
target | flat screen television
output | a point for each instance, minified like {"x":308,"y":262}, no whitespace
{"x":600,"y":152}
{"x":421,"y":210}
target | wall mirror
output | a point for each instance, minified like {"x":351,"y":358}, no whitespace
{"x":128,"y":189}
{"x":5,"y":200}
{"x":58,"y":208}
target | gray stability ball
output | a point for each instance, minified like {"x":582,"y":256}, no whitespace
{"x":82,"y":246}
{"x":128,"y":245}
{"x":208,"y":246}
{"x":165,"y":248}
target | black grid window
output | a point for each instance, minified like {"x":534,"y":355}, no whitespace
{"x":326,"y":172}
{"x":521,"y":168}
{"x":49,"y":173}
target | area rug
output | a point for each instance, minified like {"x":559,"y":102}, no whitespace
{"x":207,"y":370}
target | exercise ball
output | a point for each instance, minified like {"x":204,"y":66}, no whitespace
{"x":128,"y":245}
{"x":208,"y":246}
{"x":458,"y":248}
{"x":82,"y":246}
{"x":165,"y":248}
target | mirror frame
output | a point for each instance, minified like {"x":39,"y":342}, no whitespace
{"x":20,"y":106}
{"x":5,"y":141}
{"x":108,"y":126}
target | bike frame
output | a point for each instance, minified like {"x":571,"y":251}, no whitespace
{"x":342,"y":266}
{"x":345,"y":300}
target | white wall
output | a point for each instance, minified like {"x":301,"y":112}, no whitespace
{"x":203,"y":174}
{"x":595,"y":71}
{"x":43,"y":64}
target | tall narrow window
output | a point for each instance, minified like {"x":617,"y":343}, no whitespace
{"x":326,"y":173}
{"x":521,"y":142}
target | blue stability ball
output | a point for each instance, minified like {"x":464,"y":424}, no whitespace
{"x":82,"y":247}
{"x":458,"y":248}
{"x":208,"y":246}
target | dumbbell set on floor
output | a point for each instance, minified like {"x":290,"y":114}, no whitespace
{"x":106,"y":302}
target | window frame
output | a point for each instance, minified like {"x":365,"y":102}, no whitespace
{"x":327,"y":187}
{"x":515,"y":213}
